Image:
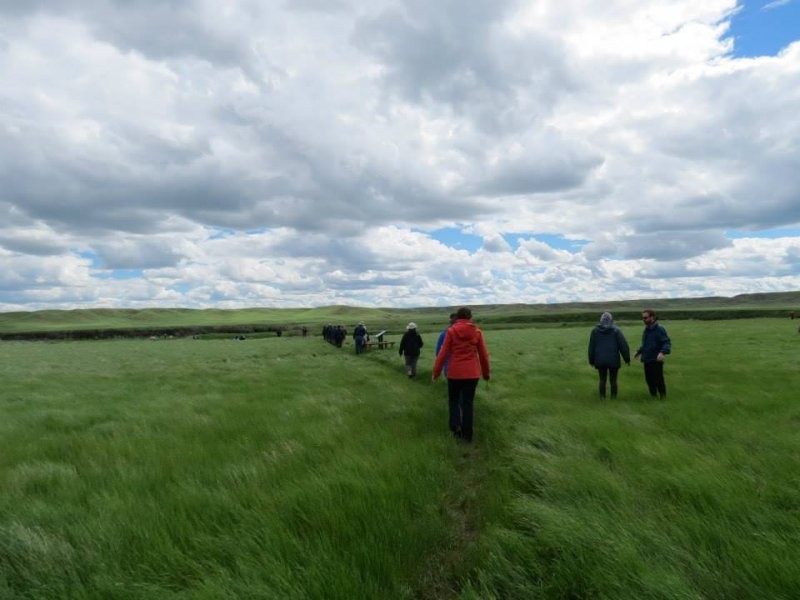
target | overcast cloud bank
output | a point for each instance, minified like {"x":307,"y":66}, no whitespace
{"x":276,"y":153}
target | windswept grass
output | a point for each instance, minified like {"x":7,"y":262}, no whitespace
{"x":287,"y":468}
{"x":273,"y":468}
{"x":694,"y":497}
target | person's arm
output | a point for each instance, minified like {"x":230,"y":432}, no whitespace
{"x":591,"y":348}
{"x":624,"y":350}
{"x":664,"y":341}
{"x":483,"y":356}
{"x":439,"y":342}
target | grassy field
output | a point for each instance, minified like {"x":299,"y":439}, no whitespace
{"x":287,"y":468}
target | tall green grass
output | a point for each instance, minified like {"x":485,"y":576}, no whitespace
{"x":194,"y":469}
{"x":287,"y":468}
{"x":693,"y":497}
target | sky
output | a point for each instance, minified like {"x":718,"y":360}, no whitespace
{"x":300,"y":153}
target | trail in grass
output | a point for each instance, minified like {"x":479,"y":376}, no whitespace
{"x":447,"y":568}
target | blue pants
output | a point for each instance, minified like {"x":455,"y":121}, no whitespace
{"x":461,"y":396}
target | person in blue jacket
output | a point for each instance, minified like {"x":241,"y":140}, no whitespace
{"x":606,"y":345}
{"x":440,"y":341}
{"x":360,"y":337}
{"x":655,"y":346}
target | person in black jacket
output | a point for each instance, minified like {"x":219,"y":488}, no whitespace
{"x":655,"y":346}
{"x":411,"y":345}
{"x":606,"y":345}
{"x":360,"y":337}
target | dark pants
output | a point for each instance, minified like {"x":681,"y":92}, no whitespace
{"x":461,"y":394}
{"x":411,"y":365}
{"x":605,"y":373}
{"x":654,"y":376}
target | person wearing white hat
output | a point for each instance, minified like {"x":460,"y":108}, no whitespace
{"x":411,"y":346}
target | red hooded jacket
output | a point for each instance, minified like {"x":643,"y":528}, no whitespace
{"x":466,"y":351}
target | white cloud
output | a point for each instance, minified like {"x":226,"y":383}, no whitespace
{"x":276,"y":153}
{"x":775,"y":4}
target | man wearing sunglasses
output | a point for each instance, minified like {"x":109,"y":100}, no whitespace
{"x":655,"y":346}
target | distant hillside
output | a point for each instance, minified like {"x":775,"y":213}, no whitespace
{"x":104,"y":323}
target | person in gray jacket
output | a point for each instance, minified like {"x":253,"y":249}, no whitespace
{"x":606,"y":345}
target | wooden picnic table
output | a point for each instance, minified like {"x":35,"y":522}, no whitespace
{"x":379,"y":345}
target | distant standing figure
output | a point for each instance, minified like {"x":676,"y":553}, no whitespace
{"x":411,"y":345}
{"x":360,"y":337}
{"x":440,"y":341}
{"x":468,"y":359}
{"x":606,"y":345}
{"x":655,"y":346}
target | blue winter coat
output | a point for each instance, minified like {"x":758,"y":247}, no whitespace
{"x":606,"y":345}
{"x":654,"y":340}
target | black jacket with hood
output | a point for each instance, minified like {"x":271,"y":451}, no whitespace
{"x":606,"y":345}
{"x":411,"y":344}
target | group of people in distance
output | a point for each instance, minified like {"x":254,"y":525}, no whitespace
{"x":462,"y":356}
{"x":334,"y":334}
{"x":607,"y":345}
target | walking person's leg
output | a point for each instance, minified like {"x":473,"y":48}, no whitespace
{"x":602,"y":372}
{"x":467,"y":402}
{"x":612,"y":374}
{"x":650,"y":377}
{"x":661,"y":386}
{"x":413,"y":365}
{"x":454,"y":405}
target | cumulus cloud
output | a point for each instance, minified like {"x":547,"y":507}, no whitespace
{"x":296,"y":153}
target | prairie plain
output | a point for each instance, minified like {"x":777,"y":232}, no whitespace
{"x":283,"y":467}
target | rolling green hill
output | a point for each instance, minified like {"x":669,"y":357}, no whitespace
{"x":107,"y":322}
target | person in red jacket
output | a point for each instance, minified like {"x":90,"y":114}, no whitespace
{"x":467,"y":360}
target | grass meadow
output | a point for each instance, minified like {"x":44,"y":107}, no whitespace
{"x":287,"y":468}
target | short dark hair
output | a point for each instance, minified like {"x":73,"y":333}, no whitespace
{"x":650,"y":311}
{"x":463,"y":313}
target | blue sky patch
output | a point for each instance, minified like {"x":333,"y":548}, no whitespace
{"x":771,"y":234}
{"x":92,"y":257}
{"x":554,"y":240}
{"x":764,"y":28}
{"x":221,"y":233}
{"x":455,"y":238}
{"x":119,"y":274}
